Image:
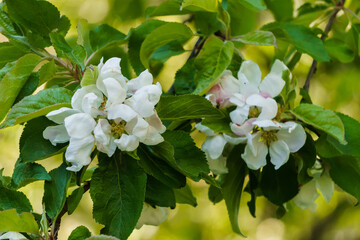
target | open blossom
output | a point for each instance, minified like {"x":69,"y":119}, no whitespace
{"x":308,"y":193}
{"x":213,"y":148}
{"x":152,"y":215}
{"x":253,"y":120}
{"x":276,"y":139}
{"x":113,"y":113}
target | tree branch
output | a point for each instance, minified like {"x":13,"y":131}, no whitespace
{"x":64,"y":210}
{"x":327,"y":29}
{"x":195,"y":51}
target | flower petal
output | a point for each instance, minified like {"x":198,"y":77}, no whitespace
{"x":153,"y":137}
{"x":122,"y":111}
{"x":279,"y":153}
{"x":229,"y":84}
{"x":114,"y":91}
{"x":218,"y":165}
{"x":145,"y":78}
{"x":56,"y":134}
{"x":326,"y":186}
{"x":204,"y":129}
{"x":214,"y":146}
{"x":268,"y":106}
{"x":155,"y":122}
{"x":295,"y":140}
{"x":111,"y":69}
{"x":307,"y":196}
{"x":255,"y":153}
{"x":139,"y":129}
{"x":104,"y":141}
{"x":77,"y":99}
{"x":240,"y":114}
{"x":59,"y":115}
{"x":235,"y":140}
{"x":242,"y":129}
{"x":273,"y":83}
{"x":79,"y":125}
{"x":127,"y":143}
{"x":91,"y":103}
{"x":13,"y":236}
{"x":152,"y":216}
{"x":238,"y":99}
{"x":78,"y":152}
{"x":251,"y":71}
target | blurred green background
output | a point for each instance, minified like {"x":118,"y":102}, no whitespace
{"x":335,"y":86}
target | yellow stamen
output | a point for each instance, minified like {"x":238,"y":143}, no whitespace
{"x":268,"y":137}
{"x":254,"y":112}
{"x":117,"y":128}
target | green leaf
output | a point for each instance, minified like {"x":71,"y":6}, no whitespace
{"x":136,"y":39}
{"x":219,"y":125}
{"x":37,"y":105}
{"x":184,"y":195}
{"x":241,"y":23}
{"x":345,"y":171}
{"x":279,"y":186}
{"x":186,"y":107}
{"x":40,"y":17}
{"x":12,"y":221}
{"x":301,"y":37}
{"x":29,"y":87}
{"x":14,"y":80}
{"x":200,"y":5}
{"x":47,"y":72}
{"x":10,"y":199}
{"x":184,"y":78}
{"x":33,"y":146}
{"x":74,"y":199}
{"x":161,"y":36}
{"x":328,"y":147}
{"x":158,"y":194}
{"x":339,"y":50}
{"x":282,"y":9}
{"x":80,"y":233}
{"x":207,"y":23}
{"x":159,"y":169}
{"x":104,"y":35}
{"x":261,"y":38}
{"x":232,"y":187}
{"x":186,"y":156}
{"x":55,"y":190}
{"x":6,"y":69}
{"x":255,"y":5}
{"x":83,"y":38}
{"x":118,"y":192}
{"x":9,"y":53}
{"x":213,"y":59}
{"x":4,"y":180}
{"x":215,"y":194}
{"x":90,"y":77}
{"x":25,"y":173}
{"x":169,"y":7}
{"x":318,"y":117}
{"x":62,"y":48}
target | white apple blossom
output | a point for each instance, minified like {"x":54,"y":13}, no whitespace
{"x":277,"y":139}
{"x":213,"y":148}
{"x":113,"y":113}
{"x":308,"y":193}
{"x":152,"y":216}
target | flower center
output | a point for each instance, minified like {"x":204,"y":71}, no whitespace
{"x":254,"y":112}
{"x":103,"y":104}
{"x":117,"y":128}
{"x":268,"y":137}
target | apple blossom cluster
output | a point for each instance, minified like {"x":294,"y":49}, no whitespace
{"x":114,"y":112}
{"x":254,"y":120}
